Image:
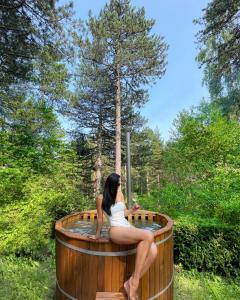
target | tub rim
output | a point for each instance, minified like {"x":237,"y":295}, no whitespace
{"x":78,"y":236}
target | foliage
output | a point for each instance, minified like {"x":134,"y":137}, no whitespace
{"x":220,"y":35}
{"x":39,"y":176}
{"x":29,"y":145}
{"x":194,"y":285}
{"x":219,"y":53}
{"x":201,"y":240}
{"x":26,"y":279}
{"x":119,"y":45}
{"x":200,"y":190}
{"x":150,"y":201}
{"x":26,"y":27}
{"x":121,"y":36}
{"x":146,"y":159}
{"x":26,"y":226}
{"x":201,"y":164}
{"x":207,"y":248}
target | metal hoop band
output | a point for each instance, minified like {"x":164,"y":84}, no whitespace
{"x":64,"y":293}
{"x":152,"y":298}
{"x":102,"y":253}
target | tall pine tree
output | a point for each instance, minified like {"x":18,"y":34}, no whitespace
{"x":94,"y":109}
{"x":132,"y":55}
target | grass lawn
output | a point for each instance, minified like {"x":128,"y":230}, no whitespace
{"x":193,"y":285}
{"x":26,"y":279}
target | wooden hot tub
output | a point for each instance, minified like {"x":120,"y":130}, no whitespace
{"x":85,"y":266}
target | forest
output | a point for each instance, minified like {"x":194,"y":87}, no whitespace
{"x":96,"y":76}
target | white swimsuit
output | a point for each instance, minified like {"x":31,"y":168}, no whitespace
{"x":117,"y":218}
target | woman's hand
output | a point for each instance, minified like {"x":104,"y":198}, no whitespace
{"x":93,"y":236}
{"x":135,"y":207}
{"x":96,"y":237}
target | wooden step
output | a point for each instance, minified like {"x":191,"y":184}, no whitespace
{"x":110,"y":296}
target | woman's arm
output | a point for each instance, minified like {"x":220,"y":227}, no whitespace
{"x":99,"y":216}
{"x":131,"y":210}
{"x":128,"y":211}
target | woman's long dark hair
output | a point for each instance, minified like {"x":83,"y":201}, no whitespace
{"x":110,"y":192}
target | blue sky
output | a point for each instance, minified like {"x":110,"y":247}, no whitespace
{"x":181,"y":86}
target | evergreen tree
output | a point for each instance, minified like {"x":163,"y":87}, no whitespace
{"x":27,"y":27}
{"x":146,"y":148}
{"x":220,"y":53}
{"x":132,"y":56}
{"x":33,"y":51}
{"x":94,"y":110}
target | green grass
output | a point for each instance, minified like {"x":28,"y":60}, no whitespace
{"x":27,"y":279}
{"x":193,"y":285}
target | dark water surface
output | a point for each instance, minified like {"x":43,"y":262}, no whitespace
{"x":85,"y":227}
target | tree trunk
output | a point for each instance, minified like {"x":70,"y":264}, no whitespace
{"x":147,"y":175}
{"x":125,"y":181}
{"x":118,"y":122}
{"x":98,"y":174}
{"x":98,"y":164}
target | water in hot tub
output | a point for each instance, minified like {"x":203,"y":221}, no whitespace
{"x":85,"y":227}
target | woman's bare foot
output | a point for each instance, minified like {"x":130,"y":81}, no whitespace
{"x":127,"y":288}
{"x":133,"y":286}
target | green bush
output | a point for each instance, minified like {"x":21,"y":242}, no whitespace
{"x":27,"y":226}
{"x":207,"y":248}
{"x":201,"y":241}
{"x":201,"y":173}
{"x":12,"y":182}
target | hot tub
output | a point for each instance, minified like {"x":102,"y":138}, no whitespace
{"x":85,"y":266}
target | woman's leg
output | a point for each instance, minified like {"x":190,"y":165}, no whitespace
{"x":141,"y":266}
{"x":144,"y":238}
{"x":143,"y":249}
{"x":150,"y":259}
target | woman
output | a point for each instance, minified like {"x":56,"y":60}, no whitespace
{"x":111,"y":202}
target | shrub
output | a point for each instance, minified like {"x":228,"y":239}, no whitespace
{"x":27,"y":226}
{"x":207,"y":248}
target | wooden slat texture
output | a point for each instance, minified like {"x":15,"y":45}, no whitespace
{"x":92,"y":216}
{"x":101,"y":269}
{"x":163,"y":268}
{"x":93,"y":272}
{"x":166,"y":271}
{"x":80,"y":271}
{"x":110,"y":296}
{"x":72,"y":272}
{"x":122,"y":268}
{"x":84,"y":275}
{"x":130,"y":218}
{"x":115,"y":270}
{"x":150,"y":217}
{"x":130,"y":264}
{"x":151,"y":279}
{"x":145,"y":286}
{"x":59,"y":268}
{"x":108,"y":271}
{"x":157,"y":267}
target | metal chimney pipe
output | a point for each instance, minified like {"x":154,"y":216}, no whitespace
{"x":129,"y":192}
